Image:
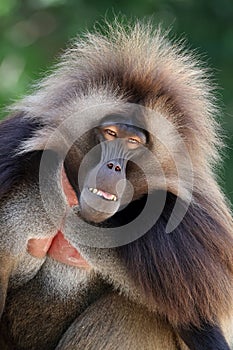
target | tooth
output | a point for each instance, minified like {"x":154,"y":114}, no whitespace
{"x":91,"y":189}
{"x":95,"y":190}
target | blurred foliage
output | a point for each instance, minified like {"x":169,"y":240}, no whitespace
{"x":33,"y":32}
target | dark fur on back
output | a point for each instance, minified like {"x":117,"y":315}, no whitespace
{"x":14,"y":167}
{"x":187,"y":273}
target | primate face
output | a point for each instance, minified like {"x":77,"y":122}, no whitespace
{"x":105,"y":184}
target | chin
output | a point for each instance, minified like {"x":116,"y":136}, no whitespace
{"x":96,"y":209}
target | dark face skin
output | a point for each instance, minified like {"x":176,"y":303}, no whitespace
{"x":105,"y":184}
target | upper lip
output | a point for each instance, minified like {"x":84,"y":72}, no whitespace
{"x":103,"y":194}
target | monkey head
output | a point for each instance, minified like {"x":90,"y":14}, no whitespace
{"x":101,"y":179}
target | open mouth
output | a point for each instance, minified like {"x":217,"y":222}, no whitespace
{"x":102,"y":194}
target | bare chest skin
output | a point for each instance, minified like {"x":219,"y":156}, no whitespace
{"x":58,"y":247}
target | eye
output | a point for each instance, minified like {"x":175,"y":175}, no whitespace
{"x":110,"y":132}
{"x":133,"y":141}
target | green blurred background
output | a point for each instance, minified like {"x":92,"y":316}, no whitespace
{"x":34,"y":32}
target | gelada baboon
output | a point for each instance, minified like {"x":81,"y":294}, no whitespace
{"x":114,"y":232}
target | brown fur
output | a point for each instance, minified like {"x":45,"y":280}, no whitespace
{"x":140,"y":66}
{"x":185,"y":276}
{"x":146,"y":330}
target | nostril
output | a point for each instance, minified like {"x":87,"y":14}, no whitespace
{"x":118,"y":168}
{"x":110,"y":165}
{"x":114,"y":166}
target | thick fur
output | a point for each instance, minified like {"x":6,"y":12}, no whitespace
{"x":147,"y":331}
{"x":176,"y":280}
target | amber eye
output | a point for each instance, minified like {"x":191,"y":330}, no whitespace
{"x":133,"y":141}
{"x":110,"y":132}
